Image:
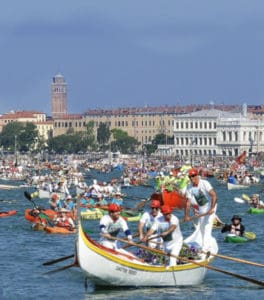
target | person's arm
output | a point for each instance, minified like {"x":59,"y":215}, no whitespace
{"x":242,"y":229}
{"x":187,"y":210}
{"x":212,"y":193}
{"x":140,"y":230}
{"x":169,"y":231}
{"x":225,"y":228}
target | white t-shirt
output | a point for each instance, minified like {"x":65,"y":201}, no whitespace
{"x":107,"y":225}
{"x":199,"y":195}
{"x":162,"y":225}
{"x":148,"y":220}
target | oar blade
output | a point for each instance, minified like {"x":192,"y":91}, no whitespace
{"x":54,"y":261}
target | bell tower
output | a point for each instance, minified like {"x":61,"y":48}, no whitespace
{"x":58,"y":96}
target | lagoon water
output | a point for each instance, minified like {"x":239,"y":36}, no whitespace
{"x":23,"y":251}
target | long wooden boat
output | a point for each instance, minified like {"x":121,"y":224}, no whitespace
{"x":7,"y":213}
{"x":254,"y":210}
{"x":232,"y":186}
{"x":109,"y":267}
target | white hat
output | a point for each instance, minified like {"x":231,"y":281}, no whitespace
{"x":68,"y":197}
{"x":63,"y":210}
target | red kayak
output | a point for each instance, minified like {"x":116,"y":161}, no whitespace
{"x":33,"y":216}
{"x":57,"y":229}
{"x":7,"y":213}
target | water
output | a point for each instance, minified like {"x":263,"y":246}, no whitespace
{"x":23,"y":251}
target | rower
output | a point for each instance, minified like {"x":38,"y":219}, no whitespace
{"x":63,"y":220}
{"x":255,"y":201}
{"x":168,"y":227}
{"x":147,"y":220}
{"x":110,"y":226}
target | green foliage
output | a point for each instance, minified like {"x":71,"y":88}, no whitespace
{"x":103,"y":134}
{"x":22,"y":136}
{"x":123,"y":142}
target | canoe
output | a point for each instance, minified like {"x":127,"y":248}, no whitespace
{"x":59,"y":230}
{"x":232,"y":186}
{"x":253,"y":210}
{"x":7,"y":213}
{"x":107,"y":267}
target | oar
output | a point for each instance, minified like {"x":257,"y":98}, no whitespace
{"x":236,"y":259}
{"x":54,"y":261}
{"x":204,"y":265}
{"x":60,"y":269}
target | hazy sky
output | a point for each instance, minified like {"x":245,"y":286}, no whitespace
{"x":131,"y":53}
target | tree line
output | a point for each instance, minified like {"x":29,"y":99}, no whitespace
{"x":24,"y":137}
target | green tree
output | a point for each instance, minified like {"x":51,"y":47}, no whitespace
{"x":123,"y":142}
{"x":103,"y":134}
{"x":20,"y":135}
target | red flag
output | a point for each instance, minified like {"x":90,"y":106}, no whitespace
{"x":241,"y":159}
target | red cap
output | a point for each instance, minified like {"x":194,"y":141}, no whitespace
{"x":166,"y":209}
{"x":155,"y":203}
{"x":193,"y":172}
{"x":113,"y":207}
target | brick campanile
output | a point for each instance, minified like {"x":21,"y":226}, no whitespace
{"x":58,"y":96}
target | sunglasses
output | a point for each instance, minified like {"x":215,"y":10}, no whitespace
{"x":191,"y":176}
{"x":154,"y":208}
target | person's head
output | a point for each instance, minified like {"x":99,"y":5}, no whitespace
{"x":155,"y":207}
{"x":114,"y":211}
{"x":255,"y":198}
{"x":54,"y":197}
{"x":236,"y":219}
{"x":118,"y":194}
{"x":68,"y":198}
{"x":166,"y":211}
{"x":193,"y":175}
{"x":63,"y":212}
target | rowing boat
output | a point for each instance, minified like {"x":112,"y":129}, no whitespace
{"x":109,"y":267}
{"x":233,"y":186}
{"x":7,"y":213}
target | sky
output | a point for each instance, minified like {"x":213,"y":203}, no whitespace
{"x":118,"y":53}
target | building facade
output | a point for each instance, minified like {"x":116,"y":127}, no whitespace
{"x":58,"y":97}
{"x":216,"y":133}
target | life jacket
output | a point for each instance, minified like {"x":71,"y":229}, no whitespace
{"x":235,"y":229}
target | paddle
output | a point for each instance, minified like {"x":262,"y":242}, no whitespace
{"x":204,"y":265}
{"x":60,"y":269}
{"x":54,"y":261}
{"x":239,"y":200}
{"x":246,"y":197}
{"x":250,"y":235}
{"x":236,"y":259}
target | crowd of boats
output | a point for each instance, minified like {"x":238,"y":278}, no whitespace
{"x":74,"y":193}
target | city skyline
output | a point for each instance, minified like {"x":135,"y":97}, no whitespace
{"x":126,"y":54}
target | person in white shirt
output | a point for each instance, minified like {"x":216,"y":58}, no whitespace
{"x":147,"y":220}
{"x":201,"y":195}
{"x":168,"y":227}
{"x":110,"y":226}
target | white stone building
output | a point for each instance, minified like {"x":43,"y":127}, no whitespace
{"x":213,"y":132}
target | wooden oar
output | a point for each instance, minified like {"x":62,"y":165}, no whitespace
{"x":236,"y":259}
{"x":60,"y":269}
{"x":204,"y":265}
{"x":54,"y":261}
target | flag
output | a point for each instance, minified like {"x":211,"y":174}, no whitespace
{"x":241,"y":159}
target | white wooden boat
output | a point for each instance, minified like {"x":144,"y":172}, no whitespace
{"x":232,"y":186}
{"x":111,"y":268}
{"x":47,"y":194}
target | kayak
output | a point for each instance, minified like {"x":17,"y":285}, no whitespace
{"x":7,"y":213}
{"x":57,"y":229}
{"x":248,"y":236}
{"x":254,"y":210}
{"x":42,"y":217}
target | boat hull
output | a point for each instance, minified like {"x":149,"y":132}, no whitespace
{"x":236,"y":239}
{"x":58,"y":230}
{"x":257,"y":211}
{"x":9,"y":213}
{"x":110,"y":268}
{"x":232,"y":186}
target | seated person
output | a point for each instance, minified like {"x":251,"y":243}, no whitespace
{"x":255,"y":201}
{"x":236,"y":227}
{"x":117,"y":199}
{"x":232,"y":178}
{"x":87,"y":202}
{"x":63,"y":220}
